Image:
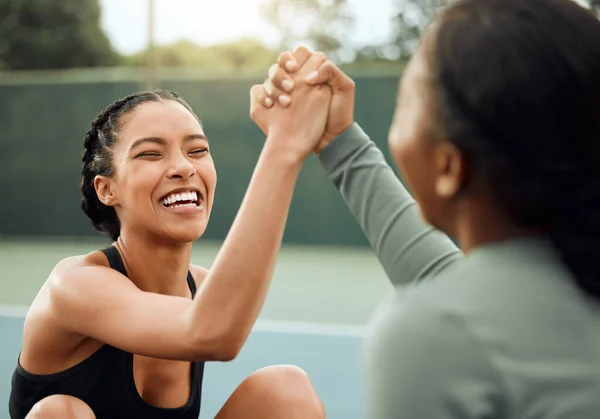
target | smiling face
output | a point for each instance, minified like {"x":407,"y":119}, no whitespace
{"x":164,"y":176}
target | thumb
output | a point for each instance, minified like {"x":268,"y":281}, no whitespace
{"x":329,"y":73}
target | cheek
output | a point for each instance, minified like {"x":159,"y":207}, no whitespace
{"x":205,"y":168}
{"x":137,"y":182}
{"x":413,"y":153}
{"x":405,"y":151}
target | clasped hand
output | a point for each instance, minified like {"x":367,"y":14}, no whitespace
{"x":305,"y":102}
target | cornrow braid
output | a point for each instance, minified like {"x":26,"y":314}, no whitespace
{"x":97,"y":159}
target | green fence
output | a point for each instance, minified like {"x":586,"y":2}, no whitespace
{"x":41,"y":143}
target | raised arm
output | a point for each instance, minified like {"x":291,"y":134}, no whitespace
{"x":408,"y":249}
{"x":97,"y":302}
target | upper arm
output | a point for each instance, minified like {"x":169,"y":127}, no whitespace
{"x":423,"y":364}
{"x":407,"y":248}
{"x":100,"y":303}
{"x":199,"y":273}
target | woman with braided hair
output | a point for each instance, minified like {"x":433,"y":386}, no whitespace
{"x":124,"y":332}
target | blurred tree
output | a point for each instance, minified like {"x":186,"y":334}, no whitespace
{"x":322,"y":24}
{"x":245,"y":54}
{"x":52,"y":34}
{"x":414,"y":15}
{"x":411,"y":18}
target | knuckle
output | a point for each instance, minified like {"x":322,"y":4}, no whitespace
{"x":302,"y":53}
{"x":280,"y":75}
{"x":284,"y":56}
{"x":320,"y":56}
{"x":254,"y":90}
{"x":328,"y":64}
{"x":301,"y":49}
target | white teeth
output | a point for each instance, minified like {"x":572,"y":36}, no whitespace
{"x":176,"y":197}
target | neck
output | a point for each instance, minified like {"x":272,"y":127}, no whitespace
{"x":154,"y":265}
{"x":479,"y":224}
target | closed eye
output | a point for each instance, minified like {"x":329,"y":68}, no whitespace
{"x":148,"y":154}
{"x":199,"y":151}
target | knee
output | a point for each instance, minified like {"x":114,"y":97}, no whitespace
{"x":60,"y":406}
{"x":287,"y":385}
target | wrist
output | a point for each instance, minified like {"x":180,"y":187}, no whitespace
{"x":330,"y":137}
{"x":280,"y":148}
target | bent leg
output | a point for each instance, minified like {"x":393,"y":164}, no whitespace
{"x":282,"y":392}
{"x":60,"y":407}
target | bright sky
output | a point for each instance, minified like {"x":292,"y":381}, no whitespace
{"x":213,"y":21}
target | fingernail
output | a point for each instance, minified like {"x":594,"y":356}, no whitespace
{"x":312,"y":76}
{"x":287,"y":85}
{"x":290,"y":65}
{"x":285,"y":100}
{"x":268,"y":102}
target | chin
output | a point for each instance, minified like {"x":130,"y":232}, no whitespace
{"x":187,"y":236}
{"x":182,"y":234}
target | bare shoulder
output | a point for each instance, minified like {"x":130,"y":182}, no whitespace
{"x":74,"y":270}
{"x":199,"y":273}
{"x":69,"y":264}
{"x":69,"y":282}
{"x":75,"y":281}
{"x":67,"y":270}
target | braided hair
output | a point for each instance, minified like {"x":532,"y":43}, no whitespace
{"x":518,"y":84}
{"x":97,"y":158}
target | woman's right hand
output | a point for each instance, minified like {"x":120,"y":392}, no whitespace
{"x":295,"y":130}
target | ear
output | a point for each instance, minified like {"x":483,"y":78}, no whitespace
{"x":105,"y":190}
{"x":451,"y":171}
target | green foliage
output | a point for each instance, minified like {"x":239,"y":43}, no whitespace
{"x":245,"y":54}
{"x":52,"y":34}
{"x":411,"y":18}
{"x":323,"y":24}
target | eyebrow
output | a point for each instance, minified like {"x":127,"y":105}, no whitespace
{"x":161,"y":141}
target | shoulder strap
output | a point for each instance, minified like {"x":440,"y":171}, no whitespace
{"x":191,"y":284}
{"x":114,"y":259}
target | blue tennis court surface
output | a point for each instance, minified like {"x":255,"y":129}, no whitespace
{"x":332,"y":361}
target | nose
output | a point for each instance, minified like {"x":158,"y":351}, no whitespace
{"x":181,"y":167}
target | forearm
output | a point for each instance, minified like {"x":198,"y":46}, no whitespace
{"x":407,"y":248}
{"x":234,"y":291}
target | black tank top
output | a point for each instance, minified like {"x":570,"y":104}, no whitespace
{"x":104,"y":381}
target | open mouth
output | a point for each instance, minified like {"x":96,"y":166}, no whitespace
{"x":183,"y":199}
